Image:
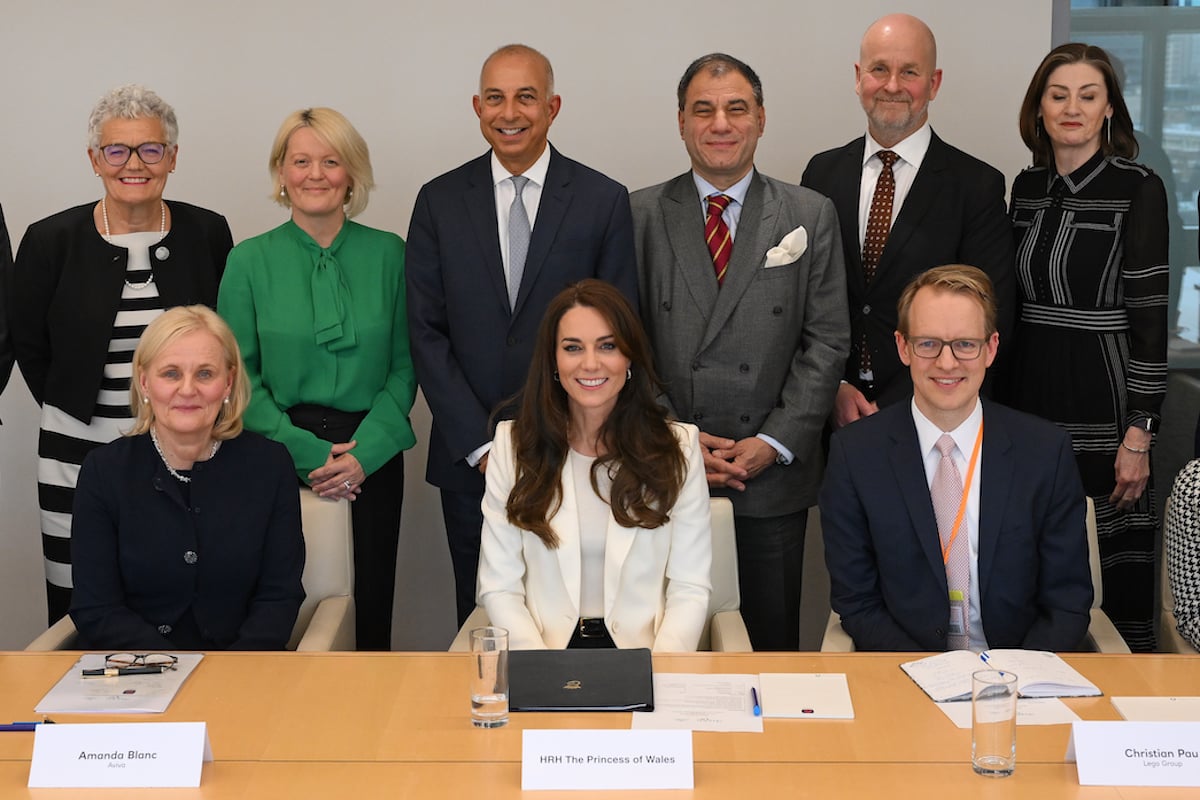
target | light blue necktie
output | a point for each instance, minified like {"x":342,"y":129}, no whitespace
{"x":518,"y":240}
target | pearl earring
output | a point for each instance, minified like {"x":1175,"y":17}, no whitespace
{"x":226,"y":399}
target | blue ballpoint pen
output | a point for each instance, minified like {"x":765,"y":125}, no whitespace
{"x":754,"y":697}
{"x":24,"y":726}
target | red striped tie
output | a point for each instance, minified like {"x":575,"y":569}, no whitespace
{"x":716,"y":234}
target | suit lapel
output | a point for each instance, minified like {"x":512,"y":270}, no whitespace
{"x":750,"y":245}
{"x":480,"y":199}
{"x":845,"y":182}
{"x":685,"y":232}
{"x":995,"y":481}
{"x":921,"y":196}
{"x":617,"y":544}
{"x":552,"y":209}
{"x":908,"y":465}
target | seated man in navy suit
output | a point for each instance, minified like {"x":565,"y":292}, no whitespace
{"x":937,"y":535}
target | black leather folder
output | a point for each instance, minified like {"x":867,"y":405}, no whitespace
{"x":580,"y":680}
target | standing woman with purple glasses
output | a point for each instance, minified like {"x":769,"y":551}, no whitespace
{"x":86,"y":283}
{"x":1091,"y":340}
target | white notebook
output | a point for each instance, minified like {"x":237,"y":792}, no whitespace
{"x":947,"y":676}
{"x":798,"y":695}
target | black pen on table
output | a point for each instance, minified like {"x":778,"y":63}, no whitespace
{"x":117,"y":672}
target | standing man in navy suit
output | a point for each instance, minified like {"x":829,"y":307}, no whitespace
{"x":946,"y":207}
{"x":490,"y":244}
{"x":1002,"y":559}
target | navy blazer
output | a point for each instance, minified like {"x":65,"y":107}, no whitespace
{"x":953,"y":214}
{"x":469,"y":350}
{"x":67,"y":286}
{"x":887,"y":577}
{"x":153,"y":572}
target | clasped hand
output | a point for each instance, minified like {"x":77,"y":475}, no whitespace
{"x":340,"y":476}
{"x":729,"y":463}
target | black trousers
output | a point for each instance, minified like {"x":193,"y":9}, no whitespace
{"x":463,"y":515}
{"x":375,"y":517}
{"x":770,"y":554}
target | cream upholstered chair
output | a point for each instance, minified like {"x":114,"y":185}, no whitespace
{"x":326,"y":618}
{"x":1180,"y":536}
{"x":1102,"y":635}
{"x":725,"y":631}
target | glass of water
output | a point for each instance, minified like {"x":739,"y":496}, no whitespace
{"x":489,"y":677}
{"x":994,"y":722}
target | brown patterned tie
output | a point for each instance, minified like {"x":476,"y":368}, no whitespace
{"x":879,"y":225}
{"x":946,"y":492}
{"x":716,"y":234}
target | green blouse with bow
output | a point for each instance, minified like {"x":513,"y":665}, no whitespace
{"x":325,"y":326}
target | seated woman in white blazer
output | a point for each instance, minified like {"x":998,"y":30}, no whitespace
{"x":596,"y":527}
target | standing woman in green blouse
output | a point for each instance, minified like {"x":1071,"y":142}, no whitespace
{"x":317,"y":306}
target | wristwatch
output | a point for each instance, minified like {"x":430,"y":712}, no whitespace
{"x":1147,"y":424}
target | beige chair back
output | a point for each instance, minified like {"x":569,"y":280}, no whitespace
{"x":329,"y":556}
{"x":1094,"y":556}
{"x":724,"y":576}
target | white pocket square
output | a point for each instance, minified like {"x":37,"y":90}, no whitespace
{"x":790,"y":248}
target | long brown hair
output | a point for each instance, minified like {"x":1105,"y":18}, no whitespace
{"x":639,"y":449}
{"x":1121,"y":142}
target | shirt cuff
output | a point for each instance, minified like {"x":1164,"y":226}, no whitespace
{"x":785,"y":455}
{"x":477,"y":454}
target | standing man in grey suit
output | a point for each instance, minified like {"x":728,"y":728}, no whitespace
{"x":490,"y":244}
{"x":932,"y":204}
{"x":743,"y":295}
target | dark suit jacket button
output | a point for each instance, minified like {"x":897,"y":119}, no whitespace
{"x":777,"y":310}
{"x":743,"y":367}
{"x":512,"y":341}
{"x":190,"y":557}
{"x":666,"y":305}
{"x":866,"y":309}
{"x":745,"y":418}
{"x":695,"y":366}
{"x":939,"y":632}
{"x":164,"y":629}
{"x":697,"y":416}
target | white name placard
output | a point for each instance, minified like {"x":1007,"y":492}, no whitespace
{"x":125,"y":754}
{"x":1136,"y":753}
{"x":607,"y":759}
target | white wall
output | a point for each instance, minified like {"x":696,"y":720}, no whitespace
{"x":404,"y":73}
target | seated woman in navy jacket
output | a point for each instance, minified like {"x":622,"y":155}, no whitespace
{"x":596,"y":527}
{"x":186,"y":533}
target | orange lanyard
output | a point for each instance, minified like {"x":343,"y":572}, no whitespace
{"x":962,"y":505}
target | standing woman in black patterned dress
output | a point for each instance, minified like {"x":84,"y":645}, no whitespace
{"x":1091,"y":341}
{"x":87,"y":282}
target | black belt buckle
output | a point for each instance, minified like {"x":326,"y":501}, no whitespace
{"x":592,"y":628}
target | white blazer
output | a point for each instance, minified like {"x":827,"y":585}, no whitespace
{"x":656,"y":582}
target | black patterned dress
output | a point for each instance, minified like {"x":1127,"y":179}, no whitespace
{"x":1090,"y":350}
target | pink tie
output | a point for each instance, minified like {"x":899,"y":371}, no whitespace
{"x":946,"y":492}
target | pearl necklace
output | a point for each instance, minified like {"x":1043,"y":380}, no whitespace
{"x":162,"y":232}
{"x":181,"y":478}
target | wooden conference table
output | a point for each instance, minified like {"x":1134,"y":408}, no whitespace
{"x":364,"y":725}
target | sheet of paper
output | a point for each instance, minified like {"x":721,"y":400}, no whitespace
{"x":1030,"y":711}
{"x":701,"y":703}
{"x":1158,"y":709}
{"x":805,"y":695}
{"x":130,"y":694}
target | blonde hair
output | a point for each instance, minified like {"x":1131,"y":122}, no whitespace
{"x":954,"y":278}
{"x":169,"y":327}
{"x":336,"y":131}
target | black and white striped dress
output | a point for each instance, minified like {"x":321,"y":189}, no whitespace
{"x":64,"y":441}
{"x":1090,"y":350}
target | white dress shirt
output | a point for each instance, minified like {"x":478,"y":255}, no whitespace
{"x":912,"y":151}
{"x":964,"y":440}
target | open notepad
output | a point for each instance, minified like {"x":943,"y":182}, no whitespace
{"x":947,"y":676}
